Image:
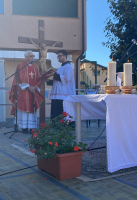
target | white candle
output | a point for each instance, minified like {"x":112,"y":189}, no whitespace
{"x":127,"y":74}
{"x":111,"y":74}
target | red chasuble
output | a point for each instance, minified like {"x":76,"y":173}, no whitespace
{"x":28,"y":75}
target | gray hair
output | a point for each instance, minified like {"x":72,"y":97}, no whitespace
{"x":27,"y":53}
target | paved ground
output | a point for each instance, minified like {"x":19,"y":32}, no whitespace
{"x":31,"y":184}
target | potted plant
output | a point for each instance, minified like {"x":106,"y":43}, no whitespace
{"x":56,"y":148}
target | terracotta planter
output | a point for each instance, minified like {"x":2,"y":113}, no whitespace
{"x":64,"y":166}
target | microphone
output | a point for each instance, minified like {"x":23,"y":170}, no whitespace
{"x":32,"y":61}
{"x":134,"y":41}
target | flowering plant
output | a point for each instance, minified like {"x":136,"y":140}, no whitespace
{"x":54,"y":136}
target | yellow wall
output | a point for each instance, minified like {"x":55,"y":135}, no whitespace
{"x":101,"y":78}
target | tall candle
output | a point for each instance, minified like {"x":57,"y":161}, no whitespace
{"x":127,"y":74}
{"x":111,"y":74}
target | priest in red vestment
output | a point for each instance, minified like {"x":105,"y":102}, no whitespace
{"x":29,"y":89}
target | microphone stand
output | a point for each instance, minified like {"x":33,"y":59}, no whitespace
{"x":16,"y":73}
{"x":125,"y":54}
{"x":34,"y":110}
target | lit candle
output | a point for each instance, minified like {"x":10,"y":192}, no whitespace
{"x":127,"y":74}
{"x":111,"y":77}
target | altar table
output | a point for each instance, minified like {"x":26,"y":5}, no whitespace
{"x":120,"y":112}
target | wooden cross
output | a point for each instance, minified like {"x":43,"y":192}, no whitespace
{"x":31,"y":74}
{"x":39,"y":41}
{"x":41,"y":37}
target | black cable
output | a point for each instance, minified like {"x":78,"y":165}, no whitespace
{"x":88,"y":149}
{"x":124,"y":55}
{"x":131,"y":55}
{"x":96,"y":148}
{"x":18,"y":170}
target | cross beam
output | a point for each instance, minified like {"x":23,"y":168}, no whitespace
{"x":41,"y":37}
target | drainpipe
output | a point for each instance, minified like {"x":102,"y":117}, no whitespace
{"x":83,"y":46}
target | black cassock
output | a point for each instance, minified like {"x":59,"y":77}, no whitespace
{"x":56,"y":104}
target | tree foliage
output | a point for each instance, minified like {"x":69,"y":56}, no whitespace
{"x":120,"y":29}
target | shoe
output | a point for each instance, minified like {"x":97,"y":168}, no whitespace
{"x":25,"y":130}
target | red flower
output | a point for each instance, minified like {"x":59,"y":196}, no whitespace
{"x":76,"y":148}
{"x":56,"y":144}
{"x":70,"y":116}
{"x":25,"y":140}
{"x":32,"y":150}
{"x":50,"y":143}
{"x":43,"y":125}
{"x":64,"y":114}
{"x":34,"y":182}
{"x":45,"y":178}
{"x":35,"y":135}
{"x":61,"y":121}
{"x":33,"y":130}
{"x":69,"y":120}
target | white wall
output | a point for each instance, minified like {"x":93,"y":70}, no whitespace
{"x":2,"y":92}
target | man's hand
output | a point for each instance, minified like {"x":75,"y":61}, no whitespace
{"x":50,"y":74}
{"x":46,"y":80}
{"x":32,"y":89}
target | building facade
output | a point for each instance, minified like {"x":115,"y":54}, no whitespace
{"x":64,"y":21}
{"x":87,"y":74}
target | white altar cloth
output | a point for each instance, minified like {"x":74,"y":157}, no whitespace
{"x":92,"y":106}
{"x":121,"y":127}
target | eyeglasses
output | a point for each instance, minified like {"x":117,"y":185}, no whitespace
{"x":60,"y":56}
{"x":32,"y":56}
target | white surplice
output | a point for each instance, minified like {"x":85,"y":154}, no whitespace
{"x":62,"y":89}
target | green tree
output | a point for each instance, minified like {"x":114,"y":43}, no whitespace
{"x":121,"y":28}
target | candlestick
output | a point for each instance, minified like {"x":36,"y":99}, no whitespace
{"x":111,"y":77}
{"x":127,"y":74}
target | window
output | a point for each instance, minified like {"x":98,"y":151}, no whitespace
{"x":50,"y":8}
{"x":1,"y":6}
{"x":98,"y":73}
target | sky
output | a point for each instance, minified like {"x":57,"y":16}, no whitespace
{"x":97,"y":12}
